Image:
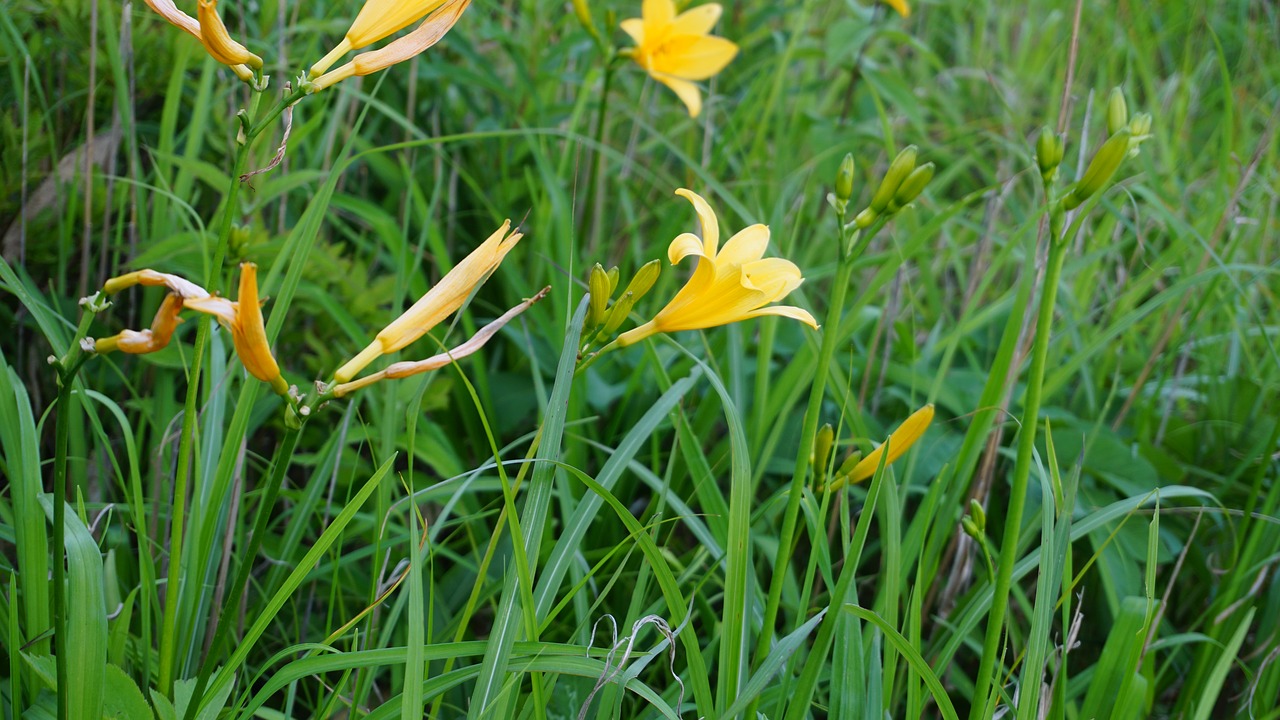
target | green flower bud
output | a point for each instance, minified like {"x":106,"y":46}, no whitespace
{"x":1049,"y":153}
{"x":977,"y":513}
{"x":1101,"y":169}
{"x":822,"y":449}
{"x":613,"y":280}
{"x":844,"y":180}
{"x":898,"y":171}
{"x":849,"y":464}
{"x":1139,"y":131}
{"x":971,"y":528}
{"x":864,"y":219}
{"x":911,"y":188}
{"x":598,"y":285}
{"x":643,"y":281}
{"x":1117,"y":112}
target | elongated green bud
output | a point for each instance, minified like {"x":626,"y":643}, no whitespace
{"x":1101,"y":169}
{"x":898,"y":171}
{"x":971,"y":528}
{"x":911,"y":188}
{"x":598,"y":285}
{"x":613,"y":280}
{"x":849,"y":464}
{"x":1117,"y":112}
{"x":822,"y":449}
{"x":1049,"y":153}
{"x":844,"y":180}
{"x":864,"y":219}
{"x":619,"y":312}
{"x":644,"y":278}
{"x":643,"y":281}
{"x":977,"y":513}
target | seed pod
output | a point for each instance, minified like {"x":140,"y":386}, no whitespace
{"x":598,"y":285}
{"x":1117,"y":112}
{"x":911,"y":188}
{"x":1101,"y":169}
{"x":844,"y":180}
{"x":898,"y":171}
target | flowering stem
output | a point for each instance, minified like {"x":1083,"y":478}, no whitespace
{"x":226,"y":618}
{"x":588,"y":210}
{"x":851,"y":247}
{"x":1021,"y":473}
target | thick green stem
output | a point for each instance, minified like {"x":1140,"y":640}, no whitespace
{"x":231,"y":607}
{"x":597,"y":159}
{"x":809,"y":430}
{"x":1021,"y":476}
{"x":59,"y":549}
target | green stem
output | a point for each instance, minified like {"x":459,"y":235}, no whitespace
{"x":68,"y":368}
{"x":1021,"y":476}
{"x":809,"y":430}
{"x":231,"y":604}
{"x":593,"y":173}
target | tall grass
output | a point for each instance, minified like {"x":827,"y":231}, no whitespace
{"x":461,"y":543}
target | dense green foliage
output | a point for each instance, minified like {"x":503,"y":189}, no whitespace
{"x":1146,"y":585}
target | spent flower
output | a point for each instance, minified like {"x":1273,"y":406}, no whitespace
{"x":243,"y":318}
{"x":212,"y":33}
{"x":377,"y":20}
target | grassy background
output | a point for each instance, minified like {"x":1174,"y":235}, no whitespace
{"x":1162,"y":390}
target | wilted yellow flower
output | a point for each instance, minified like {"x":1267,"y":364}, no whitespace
{"x":898,"y":443}
{"x":439,"y":303}
{"x":402,"y":48}
{"x":150,"y":278}
{"x":435,"y":362}
{"x":380,"y":18}
{"x":212,"y":33}
{"x":137,"y":342}
{"x":244,"y":319}
{"x":900,"y":5}
{"x":729,"y":284}
{"x":679,"y":49}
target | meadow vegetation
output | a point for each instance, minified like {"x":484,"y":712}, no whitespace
{"x":839,"y":359}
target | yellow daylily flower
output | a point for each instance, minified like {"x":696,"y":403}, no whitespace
{"x":150,"y":278}
{"x":248,"y":333}
{"x":439,"y":303}
{"x":435,"y":362}
{"x":900,"y":5}
{"x":212,"y":33}
{"x":729,"y":284}
{"x":677,"y":50}
{"x":137,"y":342}
{"x":897,"y":444}
{"x":402,"y":48}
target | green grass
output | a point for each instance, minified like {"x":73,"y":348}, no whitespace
{"x":458,"y":543}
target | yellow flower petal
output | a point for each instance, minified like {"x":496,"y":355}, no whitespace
{"x":748,"y":245}
{"x":658,"y":11}
{"x":688,"y":93}
{"x":170,"y":12}
{"x":683,"y":246}
{"x":787,"y":311}
{"x":635,"y":28}
{"x":696,"y":21}
{"x":693,"y":57}
{"x":244,"y":319}
{"x":775,"y":278}
{"x":221,"y":308}
{"x":900,"y":5}
{"x":150,"y":278}
{"x":380,"y":18}
{"x":216,"y":39}
{"x":157,"y":337}
{"x":430,"y":32}
{"x":706,"y":216}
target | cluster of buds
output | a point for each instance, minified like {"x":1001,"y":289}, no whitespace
{"x":604,"y":314}
{"x":1125,"y":135}
{"x":901,"y":185}
{"x":377,"y":20}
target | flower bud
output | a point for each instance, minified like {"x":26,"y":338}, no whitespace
{"x":1101,"y":169}
{"x":598,"y":286}
{"x":613,"y":280}
{"x":978,"y":514}
{"x":864,"y":219}
{"x":1049,"y":153}
{"x":822,"y":449}
{"x":971,"y":528}
{"x":643,"y":281}
{"x":844,"y":180}
{"x":911,"y":187}
{"x":898,"y":171}
{"x":1117,"y":112}
{"x":849,"y":464}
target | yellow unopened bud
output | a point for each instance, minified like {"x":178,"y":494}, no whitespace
{"x":898,"y":171}
{"x":598,"y":285}
{"x":613,"y":280}
{"x":1101,"y":169}
{"x":822,"y":444}
{"x":897,"y":444}
{"x":216,"y":39}
{"x":640,"y":284}
{"x":1117,"y":111}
